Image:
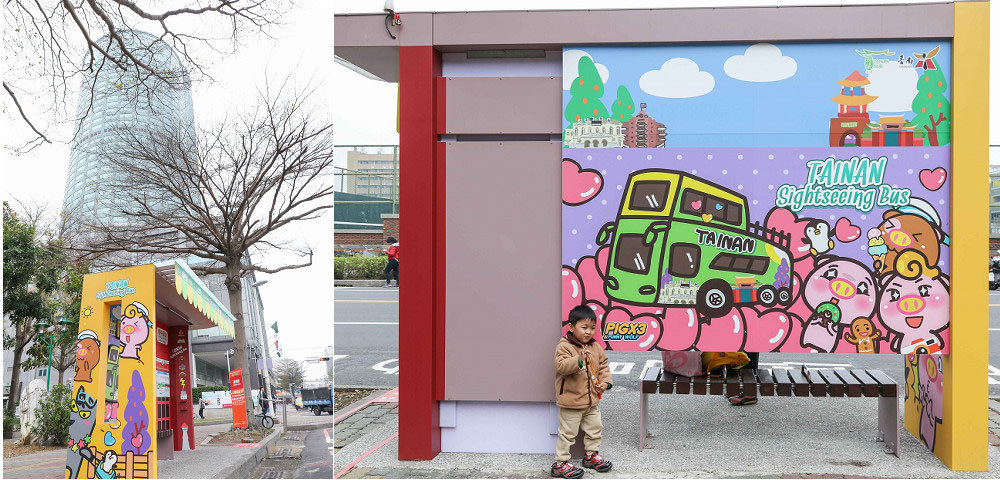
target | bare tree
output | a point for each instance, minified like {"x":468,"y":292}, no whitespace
{"x":288,"y":372}
{"x":219,"y":194}
{"x":52,"y":44}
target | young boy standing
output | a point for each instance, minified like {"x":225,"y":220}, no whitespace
{"x":582,"y":375}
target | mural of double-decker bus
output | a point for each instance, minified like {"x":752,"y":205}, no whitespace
{"x":681,"y":240}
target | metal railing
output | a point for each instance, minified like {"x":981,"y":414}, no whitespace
{"x":366,"y":175}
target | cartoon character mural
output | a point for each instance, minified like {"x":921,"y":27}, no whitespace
{"x":719,"y":242}
{"x":135,"y":431}
{"x":134,"y":330}
{"x":81,"y":429}
{"x":925,"y":394}
{"x":88,"y":354}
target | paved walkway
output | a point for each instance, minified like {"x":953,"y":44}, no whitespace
{"x":780,"y":437}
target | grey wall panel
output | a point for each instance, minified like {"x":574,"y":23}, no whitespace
{"x":569,"y":27}
{"x":503,"y":105}
{"x":503,"y":263}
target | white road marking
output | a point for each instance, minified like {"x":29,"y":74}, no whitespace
{"x":365,"y":323}
{"x":620,"y":368}
{"x":338,"y":357}
{"x":993,"y":371}
{"x":384,"y":367}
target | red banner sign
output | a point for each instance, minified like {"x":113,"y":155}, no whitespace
{"x":239,"y":398}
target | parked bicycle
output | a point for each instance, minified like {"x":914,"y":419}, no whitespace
{"x":265,"y":421}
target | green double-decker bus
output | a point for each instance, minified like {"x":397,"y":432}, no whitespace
{"x":682,"y":240}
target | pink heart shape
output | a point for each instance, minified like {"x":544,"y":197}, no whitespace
{"x":696,"y":204}
{"x":933,"y":179}
{"x":769,"y":330}
{"x":681,"y":325}
{"x":137,"y":441}
{"x":593,"y":283}
{"x":572,"y":291}
{"x":579,"y":185}
{"x":726,"y":333}
{"x":846,"y":232}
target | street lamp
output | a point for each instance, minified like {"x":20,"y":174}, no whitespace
{"x":49,"y":335}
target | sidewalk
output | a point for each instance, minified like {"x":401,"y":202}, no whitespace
{"x":205,"y":461}
{"x":782,"y":437}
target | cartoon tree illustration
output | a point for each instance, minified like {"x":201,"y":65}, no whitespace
{"x":781,"y":278}
{"x":135,"y":438}
{"x":624,"y":106}
{"x":932,"y":108}
{"x":586,"y":90}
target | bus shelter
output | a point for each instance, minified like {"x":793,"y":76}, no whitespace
{"x":131,"y":397}
{"x":695,"y":172}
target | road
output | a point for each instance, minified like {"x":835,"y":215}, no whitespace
{"x":366,"y":347}
{"x":317,"y":456}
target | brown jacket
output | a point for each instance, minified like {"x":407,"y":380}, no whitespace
{"x":573,"y":386}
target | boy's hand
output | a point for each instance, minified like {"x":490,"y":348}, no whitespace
{"x":601,"y":387}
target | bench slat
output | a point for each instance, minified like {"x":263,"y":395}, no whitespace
{"x":870,"y":386}
{"x":888,"y":384}
{"x":732,"y":383}
{"x":801,"y":387}
{"x":715,"y":385}
{"x":836,"y":385}
{"x":667,"y":382}
{"x":682,"y":384}
{"x":749,"y":381}
{"x":699,"y":385}
{"x":766,"y":382}
{"x":817,"y":386}
{"x":853,"y":385}
{"x":783,"y":384}
{"x":649,"y":380}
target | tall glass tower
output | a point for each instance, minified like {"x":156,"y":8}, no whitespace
{"x":113,"y":101}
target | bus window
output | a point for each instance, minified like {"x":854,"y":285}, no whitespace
{"x":685,"y":258}
{"x":649,"y":195}
{"x":633,"y":255}
{"x":740,"y":263}
{"x":697,"y":203}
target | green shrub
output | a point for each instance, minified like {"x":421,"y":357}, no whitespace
{"x":359,"y":268}
{"x":10,"y":422}
{"x":196,"y":392}
{"x":53,"y":416}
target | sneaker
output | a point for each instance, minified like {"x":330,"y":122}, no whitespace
{"x":565,"y":470}
{"x":386,"y":286}
{"x":597,"y":462}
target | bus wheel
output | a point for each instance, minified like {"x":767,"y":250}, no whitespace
{"x":785,"y":296}
{"x":715,"y":298}
{"x":767,"y":296}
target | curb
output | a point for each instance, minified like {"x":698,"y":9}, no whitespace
{"x":378,"y":392}
{"x":214,"y":422}
{"x":309,"y":428}
{"x":358,"y":283}
{"x":244,"y":469}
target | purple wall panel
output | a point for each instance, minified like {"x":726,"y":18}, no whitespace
{"x":513,"y":427}
{"x":504,"y":105}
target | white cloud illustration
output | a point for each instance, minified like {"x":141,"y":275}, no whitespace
{"x":571,"y":64}
{"x":894,"y":85}
{"x":762,"y":62}
{"x":677,"y":78}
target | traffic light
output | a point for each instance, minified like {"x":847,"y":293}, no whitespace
{"x":324,"y":359}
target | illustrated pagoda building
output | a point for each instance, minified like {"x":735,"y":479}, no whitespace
{"x":643,"y":132}
{"x":851,"y":120}
{"x":893,"y":131}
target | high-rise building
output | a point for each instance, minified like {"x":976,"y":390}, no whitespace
{"x":113,"y":101}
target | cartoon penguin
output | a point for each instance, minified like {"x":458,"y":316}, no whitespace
{"x":818,"y":234}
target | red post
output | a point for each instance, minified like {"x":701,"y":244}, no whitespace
{"x":419,"y":332}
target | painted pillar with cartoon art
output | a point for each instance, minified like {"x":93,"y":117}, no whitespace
{"x":112,"y":430}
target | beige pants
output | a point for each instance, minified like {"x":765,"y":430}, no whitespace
{"x":571,"y":421}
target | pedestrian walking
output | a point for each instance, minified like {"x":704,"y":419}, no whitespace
{"x":201,"y":408}
{"x":263,"y":401}
{"x":392,"y":268}
{"x":582,"y":375}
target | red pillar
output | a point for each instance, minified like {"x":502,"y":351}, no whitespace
{"x":420,"y":215}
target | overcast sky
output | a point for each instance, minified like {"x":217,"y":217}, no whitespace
{"x":300,"y":300}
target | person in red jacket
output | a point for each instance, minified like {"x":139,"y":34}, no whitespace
{"x":392,"y":268}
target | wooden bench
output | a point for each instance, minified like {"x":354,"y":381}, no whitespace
{"x":816,"y":382}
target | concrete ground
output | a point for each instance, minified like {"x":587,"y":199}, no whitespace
{"x":694,"y":437}
{"x":205,"y":461}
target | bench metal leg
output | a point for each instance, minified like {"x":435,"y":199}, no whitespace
{"x":643,"y":413}
{"x":888,"y":424}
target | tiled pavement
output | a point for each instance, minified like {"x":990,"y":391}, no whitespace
{"x":364,"y":416}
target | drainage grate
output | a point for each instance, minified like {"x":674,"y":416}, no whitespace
{"x":291,"y":438}
{"x":272,"y":474}
{"x":282,"y":453}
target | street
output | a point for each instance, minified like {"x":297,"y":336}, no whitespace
{"x":366,"y":345}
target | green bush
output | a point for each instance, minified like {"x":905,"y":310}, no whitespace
{"x":359,"y":268}
{"x":196,"y":392}
{"x":11,"y":423}
{"x":53,"y":416}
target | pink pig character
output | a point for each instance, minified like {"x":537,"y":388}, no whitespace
{"x":134,"y":329}
{"x":837,"y":291}
{"x":915,"y":305}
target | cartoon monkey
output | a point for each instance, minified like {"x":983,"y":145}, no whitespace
{"x":818,"y":233}
{"x":863,"y":335}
